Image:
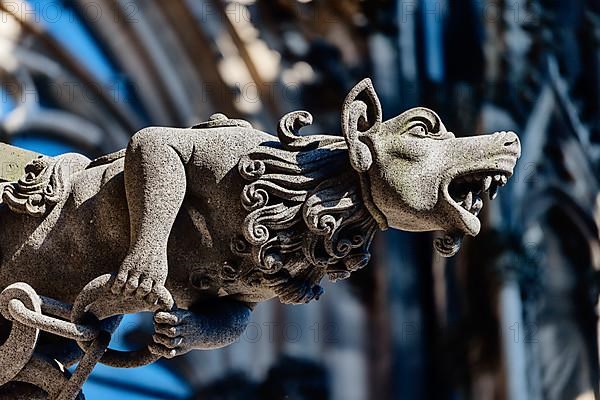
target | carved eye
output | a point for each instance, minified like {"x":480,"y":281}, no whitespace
{"x":418,"y":130}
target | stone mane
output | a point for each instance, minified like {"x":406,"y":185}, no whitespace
{"x":306,"y":217}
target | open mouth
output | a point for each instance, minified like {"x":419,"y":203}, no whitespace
{"x":472,"y":178}
{"x":466,"y":192}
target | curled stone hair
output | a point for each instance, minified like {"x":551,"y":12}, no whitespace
{"x":45,"y":183}
{"x":306,"y":217}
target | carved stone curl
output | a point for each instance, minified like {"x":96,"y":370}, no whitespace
{"x":45,"y":183}
{"x":303,"y":221}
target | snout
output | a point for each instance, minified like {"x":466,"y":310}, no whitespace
{"x":498,"y":151}
{"x":510,"y":142}
{"x":480,"y":165}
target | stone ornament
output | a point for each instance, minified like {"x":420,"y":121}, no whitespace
{"x":197,"y":225}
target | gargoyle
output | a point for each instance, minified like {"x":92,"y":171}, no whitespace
{"x":225,"y":216}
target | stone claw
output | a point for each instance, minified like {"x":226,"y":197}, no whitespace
{"x":164,"y":299}
{"x":161,"y":350}
{"x":143,"y":279}
{"x":171,"y":328}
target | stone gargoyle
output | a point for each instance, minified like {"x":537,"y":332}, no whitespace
{"x":224,"y":216}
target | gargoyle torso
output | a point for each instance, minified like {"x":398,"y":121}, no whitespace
{"x":272,"y":218}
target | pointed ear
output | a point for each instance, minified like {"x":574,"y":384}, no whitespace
{"x":361,"y":114}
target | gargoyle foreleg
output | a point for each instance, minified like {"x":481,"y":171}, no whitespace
{"x":208,"y":326}
{"x":155,"y":183}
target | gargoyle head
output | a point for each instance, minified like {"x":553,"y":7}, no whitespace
{"x":417,"y":176}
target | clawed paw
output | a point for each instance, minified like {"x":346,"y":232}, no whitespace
{"x":142,"y":283}
{"x":170,"y":331}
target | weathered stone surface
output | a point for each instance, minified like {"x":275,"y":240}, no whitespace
{"x":221,"y":216}
{"x":13,"y":161}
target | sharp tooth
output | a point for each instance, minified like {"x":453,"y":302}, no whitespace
{"x":477,"y":205}
{"x":503,"y":180}
{"x":497,"y":177}
{"x":493,"y":191}
{"x":469,"y":201}
{"x":486,"y":183}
